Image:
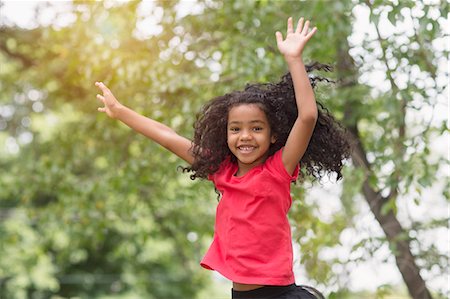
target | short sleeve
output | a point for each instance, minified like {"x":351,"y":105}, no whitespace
{"x":275,"y":163}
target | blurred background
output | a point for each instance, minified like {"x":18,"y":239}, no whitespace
{"x":90,"y":209}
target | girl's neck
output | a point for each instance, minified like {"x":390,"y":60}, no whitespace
{"x":243,"y":168}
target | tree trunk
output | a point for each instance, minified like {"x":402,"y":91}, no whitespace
{"x":396,"y":235}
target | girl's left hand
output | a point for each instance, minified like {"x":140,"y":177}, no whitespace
{"x":293,"y":45}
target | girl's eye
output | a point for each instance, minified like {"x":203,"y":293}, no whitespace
{"x":257,"y":129}
{"x":232,"y":129}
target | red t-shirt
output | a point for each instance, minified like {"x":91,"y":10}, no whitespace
{"x":252,"y":237}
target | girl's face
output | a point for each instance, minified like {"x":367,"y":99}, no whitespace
{"x":249,"y":136}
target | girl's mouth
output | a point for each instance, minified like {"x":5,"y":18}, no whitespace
{"x":246,"y":148}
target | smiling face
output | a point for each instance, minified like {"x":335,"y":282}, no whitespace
{"x":249,"y":136}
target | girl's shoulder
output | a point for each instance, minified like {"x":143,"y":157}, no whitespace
{"x":274,"y":164}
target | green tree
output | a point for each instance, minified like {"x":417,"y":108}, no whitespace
{"x":90,"y":208}
{"x":404,"y":146}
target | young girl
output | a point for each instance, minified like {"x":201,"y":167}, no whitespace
{"x":250,"y":144}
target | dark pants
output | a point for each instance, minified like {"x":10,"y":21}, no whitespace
{"x":279,"y":292}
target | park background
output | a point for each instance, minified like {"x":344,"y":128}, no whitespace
{"x":90,"y":209}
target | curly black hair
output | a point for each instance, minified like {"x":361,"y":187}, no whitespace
{"x":328,"y":148}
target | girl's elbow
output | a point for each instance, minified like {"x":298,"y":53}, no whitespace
{"x":310,"y":118}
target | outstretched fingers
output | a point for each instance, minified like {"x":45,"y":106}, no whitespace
{"x":294,"y":42}
{"x":305,"y":28}
{"x":305,"y":31}
{"x":102,"y":87}
{"x":100,"y":97}
{"x":301,"y":28}
{"x":311,"y":33}
{"x":290,"y":27}
{"x":279,"y":37}
{"x":299,"y":25}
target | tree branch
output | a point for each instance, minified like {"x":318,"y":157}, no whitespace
{"x":399,"y":148}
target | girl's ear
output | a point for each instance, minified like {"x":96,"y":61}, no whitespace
{"x":273,"y":139}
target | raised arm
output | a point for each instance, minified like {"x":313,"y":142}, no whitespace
{"x":292,"y":49}
{"x":148,"y":127}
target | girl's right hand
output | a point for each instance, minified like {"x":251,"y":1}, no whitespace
{"x":112,"y":105}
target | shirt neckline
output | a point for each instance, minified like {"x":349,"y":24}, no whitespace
{"x":236,"y":168}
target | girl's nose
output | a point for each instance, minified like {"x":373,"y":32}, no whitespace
{"x":246,"y":135}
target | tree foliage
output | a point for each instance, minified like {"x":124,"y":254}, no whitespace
{"x":89,"y":208}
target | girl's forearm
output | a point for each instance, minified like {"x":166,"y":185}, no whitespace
{"x":304,"y":94}
{"x":156,"y":131}
{"x":144,"y":125}
{"x":148,"y":127}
